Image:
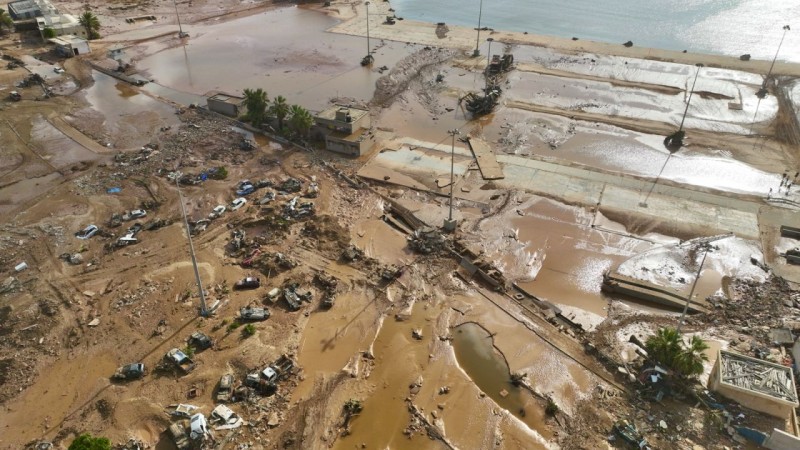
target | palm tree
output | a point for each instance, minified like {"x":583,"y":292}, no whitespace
{"x":300,"y":120}
{"x":91,"y":23}
{"x":279,"y":109}
{"x":5,"y":20}
{"x":690,"y":361}
{"x":256,"y":102}
{"x":664,"y":346}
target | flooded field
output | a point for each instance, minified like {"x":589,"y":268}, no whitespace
{"x":284,"y":51}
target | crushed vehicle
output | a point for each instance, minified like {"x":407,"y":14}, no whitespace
{"x":183,"y":410}
{"x":129,"y":372}
{"x":261,"y":184}
{"x":199,"y":226}
{"x":290,"y":186}
{"x":177,"y":431}
{"x":15,"y":96}
{"x":217,"y":211}
{"x":247,"y":283}
{"x":250,"y":259}
{"x":250,"y":314}
{"x":87,"y":232}
{"x":293,"y":298}
{"x":226,"y":418}
{"x":265,"y":380}
{"x":198,"y":427}
{"x":267,"y":198}
{"x":200,"y":341}
{"x":237,"y":239}
{"x":225,"y":388}
{"x":628,"y":432}
{"x":179,"y":360}
{"x":500,"y":64}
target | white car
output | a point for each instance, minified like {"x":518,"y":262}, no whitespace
{"x":138,"y":213}
{"x":238,"y":203}
{"x":87,"y":232}
{"x":217,"y":211}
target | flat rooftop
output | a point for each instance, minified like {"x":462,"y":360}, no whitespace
{"x":23,"y":6}
{"x":227,"y":98}
{"x":755,"y":375}
{"x":330,"y":113}
{"x":67,"y":39}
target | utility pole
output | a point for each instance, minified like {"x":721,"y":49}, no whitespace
{"x":477,"y":51}
{"x":450,"y":224}
{"x":203,"y":309}
{"x":763,"y":91}
{"x":694,"y":285}
{"x":675,"y":140}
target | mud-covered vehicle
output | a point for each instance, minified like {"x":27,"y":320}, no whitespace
{"x":128,"y":372}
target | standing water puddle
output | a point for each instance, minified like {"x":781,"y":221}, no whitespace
{"x":488,"y":369}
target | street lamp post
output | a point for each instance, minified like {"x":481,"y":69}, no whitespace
{"x":477,"y":51}
{"x":181,"y":34}
{"x":450,"y":224}
{"x":203,"y":308}
{"x":763,"y":91}
{"x":675,"y":140}
{"x":367,"y":60}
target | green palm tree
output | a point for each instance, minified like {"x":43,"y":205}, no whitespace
{"x":690,"y":361}
{"x":279,"y":109}
{"x":300,"y":120}
{"x":91,"y":23}
{"x":5,"y":20}
{"x":664,"y":346}
{"x":256,"y":101}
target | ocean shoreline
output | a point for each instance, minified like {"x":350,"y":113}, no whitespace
{"x":352,"y":16}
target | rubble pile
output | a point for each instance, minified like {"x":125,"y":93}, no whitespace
{"x":753,"y":308}
{"x":326,"y":235}
{"x":426,"y":241}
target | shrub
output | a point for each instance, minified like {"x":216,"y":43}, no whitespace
{"x":249,"y":330}
{"x":88,"y":442}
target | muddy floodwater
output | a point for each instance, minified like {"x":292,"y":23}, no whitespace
{"x":489,"y":370}
{"x":283,"y":51}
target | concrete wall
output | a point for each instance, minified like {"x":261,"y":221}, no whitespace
{"x":781,"y":440}
{"x":344,"y":127}
{"x":344,"y":147}
{"x":225,"y":108}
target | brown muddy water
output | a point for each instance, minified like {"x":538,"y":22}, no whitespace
{"x":285,"y":51}
{"x":488,"y":369}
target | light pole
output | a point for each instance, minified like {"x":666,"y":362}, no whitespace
{"x":181,"y":34}
{"x":477,"y":51}
{"x":489,"y":55}
{"x":450,"y":224}
{"x":694,"y":285}
{"x":367,"y":60}
{"x":763,"y":91}
{"x":675,"y":140}
{"x":203,"y":309}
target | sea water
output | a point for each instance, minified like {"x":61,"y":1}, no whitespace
{"x":729,"y":27}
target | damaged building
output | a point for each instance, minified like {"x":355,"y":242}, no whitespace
{"x":756,"y":384}
{"x":345,"y":129}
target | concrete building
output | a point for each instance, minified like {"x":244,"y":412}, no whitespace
{"x":24,"y":10}
{"x":70,"y":45}
{"x":754,"y":383}
{"x":61,"y":24}
{"x":345,"y":130}
{"x":226,"y":104}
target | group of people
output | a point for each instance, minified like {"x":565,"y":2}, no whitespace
{"x":786,"y":183}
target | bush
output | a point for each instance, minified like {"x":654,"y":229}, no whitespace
{"x":233,"y":326}
{"x":220,"y":174}
{"x":189,"y":350}
{"x":552,"y":408}
{"x":49,"y":33}
{"x":87,"y":442}
{"x":249,"y":330}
